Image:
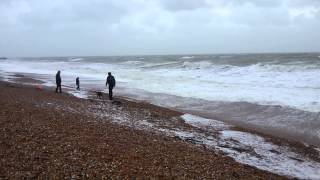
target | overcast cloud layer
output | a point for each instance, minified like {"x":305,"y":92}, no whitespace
{"x":115,"y":27}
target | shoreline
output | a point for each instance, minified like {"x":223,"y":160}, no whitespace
{"x":166,"y":114}
{"x":41,"y":140}
{"x":26,"y":79}
{"x":274,"y":118}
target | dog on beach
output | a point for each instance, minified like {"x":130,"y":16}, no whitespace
{"x":99,"y":94}
{"x":118,"y":103}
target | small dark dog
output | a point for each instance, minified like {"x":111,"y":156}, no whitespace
{"x":118,"y":103}
{"x":99,"y":94}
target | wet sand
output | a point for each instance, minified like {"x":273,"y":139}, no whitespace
{"x":45,"y":134}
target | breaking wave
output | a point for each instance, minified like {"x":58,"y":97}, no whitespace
{"x":75,"y":59}
{"x":187,"y":57}
{"x":289,"y":81}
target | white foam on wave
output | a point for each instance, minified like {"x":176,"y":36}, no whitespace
{"x":252,"y":149}
{"x":267,"y":84}
{"x":159,"y":65}
{"x":133,"y":62}
{"x":274,"y":84}
{"x":255,"y":84}
{"x":197,"y":65}
{"x":187,"y":57}
{"x":75,"y":59}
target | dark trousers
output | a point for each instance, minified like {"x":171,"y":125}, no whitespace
{"x":58,"y":88}
{"x":110,"y":93}
{"x":78,"y":87}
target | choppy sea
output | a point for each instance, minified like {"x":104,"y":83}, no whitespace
{"x":277,"y":94}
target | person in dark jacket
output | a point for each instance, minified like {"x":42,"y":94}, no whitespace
{"x":112,"y":83}
{"x":58,"y":82}
{"x":78,"y":83}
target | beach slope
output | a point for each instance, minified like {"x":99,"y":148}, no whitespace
{"x":44,"y":134}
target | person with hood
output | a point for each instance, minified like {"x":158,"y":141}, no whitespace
{"x":58,"y":82}
{"x":112,"y":83}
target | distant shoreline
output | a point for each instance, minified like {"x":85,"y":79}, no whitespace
{"x":182,"y":54}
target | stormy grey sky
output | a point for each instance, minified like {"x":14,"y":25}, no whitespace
{"x":118,"y":27}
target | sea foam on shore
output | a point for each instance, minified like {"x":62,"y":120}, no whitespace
{"x":244,"y":147}
{"x":254,"y":150}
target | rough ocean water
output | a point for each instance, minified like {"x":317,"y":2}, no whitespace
{"x":278,"y":94}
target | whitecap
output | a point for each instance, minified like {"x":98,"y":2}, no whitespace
{"x":187,"y":57}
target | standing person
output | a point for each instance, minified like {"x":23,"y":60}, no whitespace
{"x":112,"y":83}
{"x":58,"y":82}
{"x":78,"y":83}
